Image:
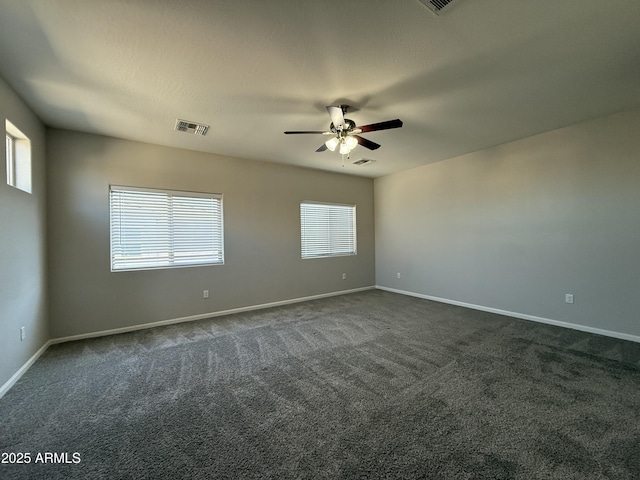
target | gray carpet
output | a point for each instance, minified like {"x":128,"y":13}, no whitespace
{"x":368,"y":385}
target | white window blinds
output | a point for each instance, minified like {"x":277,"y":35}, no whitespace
{"x":327,"y":230}
{"x":161,"y":229}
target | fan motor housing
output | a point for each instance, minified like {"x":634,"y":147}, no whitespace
{"x":348,"y":126}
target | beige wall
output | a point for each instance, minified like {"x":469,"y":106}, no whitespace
{"x":517,"y":226}
{"x":23,"y":299}
{"x":261,"y":223}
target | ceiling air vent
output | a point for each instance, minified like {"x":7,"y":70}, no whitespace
{"x":363,"y":161}
{"x":436,"y":6}
{"x":191,"y":127}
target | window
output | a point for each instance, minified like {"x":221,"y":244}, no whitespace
{"x":163,"y":229}
{"x":10,"y":149}
{"x":18,"y":155}
{"x":327,"y":230}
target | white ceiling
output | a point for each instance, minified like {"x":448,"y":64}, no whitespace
{"x":484,"y":72}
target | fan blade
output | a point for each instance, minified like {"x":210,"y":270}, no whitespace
{"x":321,"y":148}
{"x":397,"y":123}
{"x":336,"y":116}
{"x":306,"y":131}
{"x":367,"y":143}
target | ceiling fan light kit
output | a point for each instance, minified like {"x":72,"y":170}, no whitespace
{"x":347,"y":143}
{"x":332,"y":143}
{"x":345,"y":133}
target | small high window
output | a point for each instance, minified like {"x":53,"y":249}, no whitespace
{"x":18,"y":157}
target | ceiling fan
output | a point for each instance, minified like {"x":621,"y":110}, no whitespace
{"x":345,"y":134}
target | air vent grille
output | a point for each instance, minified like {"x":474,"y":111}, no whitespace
{"x":436,"y":6}
{"x":191,"y":127}
{"x":363,"y":161}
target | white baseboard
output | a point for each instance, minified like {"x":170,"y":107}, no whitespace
{"x":523,"y":316}
{"x":202,"y":316}
{"x":23,"y":369}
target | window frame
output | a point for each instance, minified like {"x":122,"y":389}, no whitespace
{"x":18,"y":158}
{"x":329,"y":253}
{"x":10,"y":153}
{"x":217,"y":237}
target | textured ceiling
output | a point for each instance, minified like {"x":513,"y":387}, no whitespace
{"x":483,"y":73}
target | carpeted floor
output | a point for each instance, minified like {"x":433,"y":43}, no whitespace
{"x":368,"y":385}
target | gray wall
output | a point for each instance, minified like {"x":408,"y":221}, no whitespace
{"x":23,"y":299}
{"x":517,"y":226}
{"x":261,"y":222}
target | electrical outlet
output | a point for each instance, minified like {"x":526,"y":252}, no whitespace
{"x":344,"y":276}
{"x":398,"y":275}
{"x":23,"y":333}
{"x":205,"y":293}
{"x":568,"y":298}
